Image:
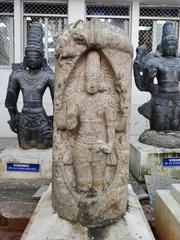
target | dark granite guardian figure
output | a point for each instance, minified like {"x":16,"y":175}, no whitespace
{"x":163,"y":110}
{"x":32,"y":77}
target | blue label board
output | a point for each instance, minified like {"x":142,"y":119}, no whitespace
{"x":22,"y":167}
{"x":171,"y":162}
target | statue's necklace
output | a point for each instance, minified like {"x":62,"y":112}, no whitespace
{"x":29,"y":76}
{"x":169,"y":62}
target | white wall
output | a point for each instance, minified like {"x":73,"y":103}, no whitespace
{"x":76,"y":10}
{"x":138,"y":122}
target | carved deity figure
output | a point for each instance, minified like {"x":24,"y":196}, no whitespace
{"x":94,"y":112}
{"x":32,"y":77}
{"x":90,"y":147}
{"x":163,"y":110}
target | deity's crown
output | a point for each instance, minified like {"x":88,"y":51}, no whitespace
{"x":168,"y":31}
{"x":35,"y":38}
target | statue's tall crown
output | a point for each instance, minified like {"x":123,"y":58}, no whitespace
{"x":168,"y":31}
{"x":35,"y":38}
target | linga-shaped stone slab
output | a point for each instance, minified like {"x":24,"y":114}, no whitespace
{"x":91,"y":123}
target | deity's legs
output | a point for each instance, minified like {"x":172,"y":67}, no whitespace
{"x":35,"y":130}
{"x":89,"y":167}
{"x":166,"y":112}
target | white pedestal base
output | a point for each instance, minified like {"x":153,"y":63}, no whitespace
{"x":167,"y":213}
{"x":32,"y":156}
{"x":46,"y":225}
{"x":146,"y":159}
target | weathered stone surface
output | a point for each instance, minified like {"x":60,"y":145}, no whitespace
{"x":158,"y":181}
{"x":16,"y":206}
{"x":161,"y":139}
{"x":46,"y":225}
{"x":138,"y":188}
{"x":92,"y":97}
{"x":40,"y":192}
{"x":17,"y":210}
{"x":20,"y":190}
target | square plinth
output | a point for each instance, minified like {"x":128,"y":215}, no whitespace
{"x":175,"y":191}
{"x":46,"y":225}
{"x":167,"y":213}
{"x":145,"y":160}
{"x":17,"y":163}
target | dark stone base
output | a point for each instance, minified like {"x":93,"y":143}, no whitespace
{"x":168,"y":139}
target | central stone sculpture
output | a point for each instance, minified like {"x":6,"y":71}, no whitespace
{"x":91,"y":111}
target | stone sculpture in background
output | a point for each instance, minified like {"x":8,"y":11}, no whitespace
{"x":91,"y":123}
{"x":32,"y":77}
{"x":163,"y":109}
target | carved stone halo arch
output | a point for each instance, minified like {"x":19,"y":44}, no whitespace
{"x":91,"y":112}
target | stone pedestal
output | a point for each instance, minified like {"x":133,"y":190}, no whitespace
{"x":46,"y":225}
{"x":16,"y":163}
{"x":167,"y":213}
{"x":146,"y":159}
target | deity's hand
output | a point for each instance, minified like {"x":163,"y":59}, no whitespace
{"x":13,"y":123}
{"x":142,"y":50}
{"x":104,"y":147}
{"x":71,"y":123}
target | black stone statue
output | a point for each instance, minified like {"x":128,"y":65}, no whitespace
{"x":32,"y":77}
{"x":163,"y":109}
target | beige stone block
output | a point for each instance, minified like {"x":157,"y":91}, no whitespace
{"x":175,"y":191}
{"x":167,"y":216}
